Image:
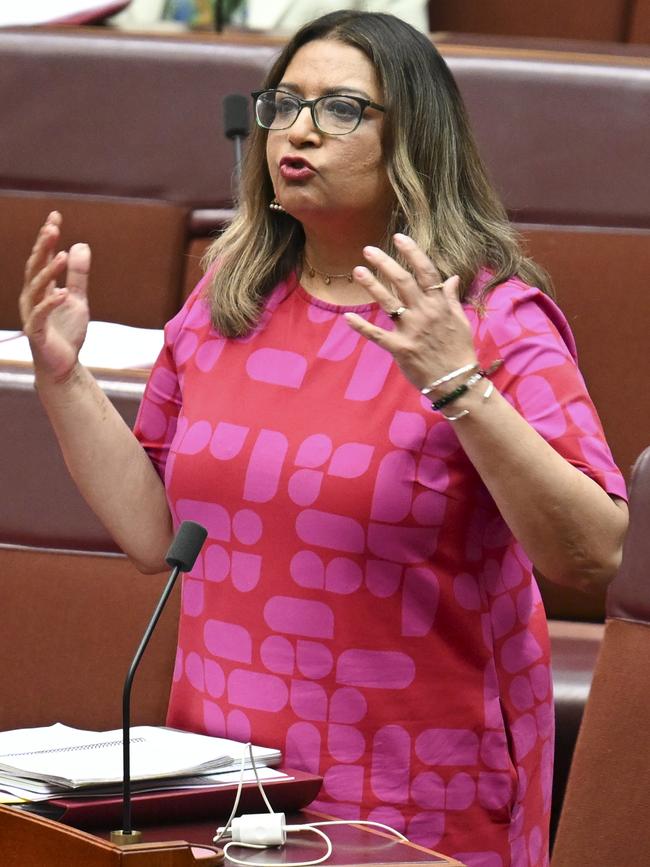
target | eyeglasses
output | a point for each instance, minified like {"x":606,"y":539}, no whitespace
{"x":335,"y":114}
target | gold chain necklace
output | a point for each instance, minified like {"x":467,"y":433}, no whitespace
{"x":327,"y":278}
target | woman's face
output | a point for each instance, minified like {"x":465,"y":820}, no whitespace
{"x":337,"y":177}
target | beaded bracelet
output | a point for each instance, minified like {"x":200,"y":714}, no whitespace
{"x":458,"y":391}
{"x":488,"y":391}
{"x":465,"y":386}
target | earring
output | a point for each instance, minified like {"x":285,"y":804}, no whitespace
{"x":277,"y":207}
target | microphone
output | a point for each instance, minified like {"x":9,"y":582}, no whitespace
{"x":181,"y":556}
{"x":236,"y":124}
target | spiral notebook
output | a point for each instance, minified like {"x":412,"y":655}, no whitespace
{"x":68,"y":759}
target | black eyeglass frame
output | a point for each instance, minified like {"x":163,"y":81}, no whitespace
{"x":311,"y":103}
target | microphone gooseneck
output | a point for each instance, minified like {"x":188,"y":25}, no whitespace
{"x":236,"y":124}
{"x":181,"y":556}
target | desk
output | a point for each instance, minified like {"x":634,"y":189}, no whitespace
{"x":352,"y":845}
{"x":31,"y":841}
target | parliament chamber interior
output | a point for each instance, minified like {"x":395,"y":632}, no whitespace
{"x":122,"y":131}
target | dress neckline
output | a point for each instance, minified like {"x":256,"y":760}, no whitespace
{"x":327,"y":305}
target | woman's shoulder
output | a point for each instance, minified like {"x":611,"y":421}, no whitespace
{"x":194,"y":313}
{"x":515,"y":310}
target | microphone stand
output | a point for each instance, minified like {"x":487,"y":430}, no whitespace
{"x":236,"y":126}
{"x":127,"y":835}
{"x":181,"y":556}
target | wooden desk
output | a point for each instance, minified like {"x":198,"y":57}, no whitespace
{"x":31,"y":841}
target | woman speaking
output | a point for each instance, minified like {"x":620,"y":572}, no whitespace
{"x":373,"y":405}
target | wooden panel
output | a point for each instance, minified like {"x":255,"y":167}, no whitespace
{"x":601,"y":280}
{"x":604,"y":817}
{"x":71,"y":625}
{"x":567,"y":19}
{"x":193,"y":270}
{"x":30,"y":841}
{"x":137,"y":252}
{"x":639,"y":22}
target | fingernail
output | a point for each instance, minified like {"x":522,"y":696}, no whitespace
{"x":399,"y":238}
{"x":371,"y":251}
{"x":360,"y":272}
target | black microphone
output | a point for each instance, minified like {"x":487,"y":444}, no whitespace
{"x":181,"y":556}
{"x":236,"y":124}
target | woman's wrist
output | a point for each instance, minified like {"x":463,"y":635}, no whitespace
{"x":47,"y":380}
{"x":458,"y":389}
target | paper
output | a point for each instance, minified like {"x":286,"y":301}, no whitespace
{"x":42,"y":11}
{"x":72,"y":758}
{"x":108,"y":345}
{"x":32,"y":792}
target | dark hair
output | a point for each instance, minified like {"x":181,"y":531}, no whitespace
{"x":443,"y":198}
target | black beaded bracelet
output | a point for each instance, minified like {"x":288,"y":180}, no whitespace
{"x":457,"y":392}
{"x":460,"y":390}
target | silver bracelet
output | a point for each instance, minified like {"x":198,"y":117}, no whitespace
{"x":448,"y":376}
{"x":488,"y":391}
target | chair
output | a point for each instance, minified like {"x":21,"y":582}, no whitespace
{"x":606,"y":812}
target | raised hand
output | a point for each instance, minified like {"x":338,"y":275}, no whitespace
{"x":55,"y":319}
{"x":432,"y":335}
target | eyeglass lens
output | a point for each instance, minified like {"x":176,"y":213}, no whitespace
{"x":333,"y":114}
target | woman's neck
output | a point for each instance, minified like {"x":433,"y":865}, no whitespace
{"x":327,"y":268}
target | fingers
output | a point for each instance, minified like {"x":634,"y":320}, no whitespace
{"x":377,"y":290}
{"x":425,"y":272}
{"x":44,"y":268}
{"x":35,"y":327}
{"x":371,"y":332}
{"x":40,"y":285}
{"x":78,"y":269}
{"x":43,"y":250}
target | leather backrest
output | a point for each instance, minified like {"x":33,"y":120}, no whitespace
{"x":629,"y":594}
{"x":39,"y":503}
{"x":113,"y":114}
{"x":137,"y":116}
{"x":137,"y":248}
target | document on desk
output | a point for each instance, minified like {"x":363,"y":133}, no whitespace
{"x":15,"y":790}
{"x":69,"y":758}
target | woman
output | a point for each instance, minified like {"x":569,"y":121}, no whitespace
{"x":365,"y":600}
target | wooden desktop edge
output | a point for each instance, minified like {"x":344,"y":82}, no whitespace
{"x":445,"y":860}
{"x":19,"y":829}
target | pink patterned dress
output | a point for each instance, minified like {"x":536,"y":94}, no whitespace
{"x":359,"y":602}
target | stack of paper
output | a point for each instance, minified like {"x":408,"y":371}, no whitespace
{"x":108,"y":345}
{"x":41,"y":763}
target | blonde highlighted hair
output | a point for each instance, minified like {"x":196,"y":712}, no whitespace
{"x":443,"y":198}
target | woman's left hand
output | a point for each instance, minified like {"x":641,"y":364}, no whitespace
{"x":432,"y":335}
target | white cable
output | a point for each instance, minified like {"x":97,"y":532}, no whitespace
{"x":281,"y":827}
{"x":224,"y":830}
{"x":320,"y":860}
{"x":393,"y":831}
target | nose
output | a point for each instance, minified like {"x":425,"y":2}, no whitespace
{"x":304,"y":130}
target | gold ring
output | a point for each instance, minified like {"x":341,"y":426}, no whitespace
{"x":395,"y":314}
{"x":435,"y":286}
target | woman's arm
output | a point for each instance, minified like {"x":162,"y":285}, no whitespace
{"x":568,"y":525}
{"x":110,"y":468}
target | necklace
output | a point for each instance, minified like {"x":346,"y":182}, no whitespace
{"x":327,"y":278}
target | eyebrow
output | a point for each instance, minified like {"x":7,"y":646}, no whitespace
{"x":340,"y":89}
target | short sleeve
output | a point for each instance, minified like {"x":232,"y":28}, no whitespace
{"x":157,"y":419}
{"x":541,"y":379}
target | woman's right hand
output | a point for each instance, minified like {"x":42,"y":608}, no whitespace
{"x":55,"y":319}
